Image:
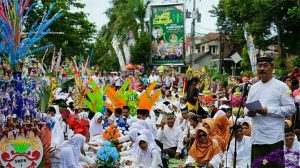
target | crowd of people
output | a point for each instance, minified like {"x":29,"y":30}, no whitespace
{"x":198,"y":121}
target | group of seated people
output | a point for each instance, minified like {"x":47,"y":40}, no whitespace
{"x":152,"y":138}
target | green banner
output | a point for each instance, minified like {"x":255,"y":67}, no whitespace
{"x":167,"y":34}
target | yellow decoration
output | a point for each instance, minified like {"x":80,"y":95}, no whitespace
{"x":35,"y":142}
{"x":4,"y":143}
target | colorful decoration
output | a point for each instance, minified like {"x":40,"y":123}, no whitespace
{"x":111,"y":132}
{"x":275,"y":159}
{"x":130,"y":98}
{"x":95,"y":102}
{"x":21,"y":150}
{"x":147,"y":100}
{"x":235,"y":99}
{"x":15,"y":43}
{"x":207,"y":98}
{"x":19,"y":96}
{"x":122,"y":124}
{"x":107,"y":156}
{"x":296,"y":94}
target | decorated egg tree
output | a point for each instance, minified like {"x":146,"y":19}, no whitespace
{"x":21,"y":142}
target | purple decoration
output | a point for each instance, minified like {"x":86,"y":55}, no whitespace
{"x":274,"y":159}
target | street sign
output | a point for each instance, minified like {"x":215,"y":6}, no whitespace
{"x":236,"y":57}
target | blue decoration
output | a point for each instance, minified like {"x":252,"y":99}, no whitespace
{"x":18,"y":97}
{"x":107,"y":155}
{"x":14,"y":42}
{"x":122,"y":124}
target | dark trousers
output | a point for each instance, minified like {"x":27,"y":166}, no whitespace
{"x":263,"y":150}
{"x":171,"y":152}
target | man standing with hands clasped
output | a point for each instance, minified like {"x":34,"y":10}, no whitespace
{"x":268,"y":121}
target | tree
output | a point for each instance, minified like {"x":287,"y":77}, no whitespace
{"x":124,"y":17}
{"x":78,"y":32}
{"x":103,"y":53}
{"x":140,"y":53}
{"x":269,"y":22}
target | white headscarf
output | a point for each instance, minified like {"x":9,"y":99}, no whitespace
{"x":57,"y":133}
{"x":69,"y":153}
{"x":146,"y":155}
{"x":95,"y":127}
{"x":133,"y":134}
{"x":140,"y":124}
{"x":150,"y":136}
{"x":178,"y":112}
{"x":219,"y":112}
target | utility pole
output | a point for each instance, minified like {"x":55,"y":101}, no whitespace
{"x":194,"y":16}
{"x":221,"y":54}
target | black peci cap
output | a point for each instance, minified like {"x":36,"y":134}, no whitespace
{"x":266,"y":58}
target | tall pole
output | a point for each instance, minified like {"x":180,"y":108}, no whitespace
{"x":193,"y":33}
{"x":221,"y":52}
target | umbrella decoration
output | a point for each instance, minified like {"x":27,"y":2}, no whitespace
{"x":13,"y":17}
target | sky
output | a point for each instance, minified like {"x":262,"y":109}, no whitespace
{"x":96,"y":9}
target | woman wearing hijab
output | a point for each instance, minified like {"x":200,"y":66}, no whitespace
{"x":96,"y":127}
{"x":69,"y":153}
{"x":223,"y":127}
{"x":149,"y":155}
{"x":133,"y":136}
{"x":127,"y":154}
{"x":204,"y":151}
{"x":211,"y":127}
{"x":246,"y":126}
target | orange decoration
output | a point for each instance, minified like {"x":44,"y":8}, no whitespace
{"x":111,"y":133}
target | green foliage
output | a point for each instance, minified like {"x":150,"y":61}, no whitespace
{"x":245,"y":63}
{"x":269,"y":22}
{"x":140,"y":53}
{"x":214,"y":72}
{"x":296,"y":62}
{"x":45,"y":97}
{"x":124,"y":16}
{"x":77,"y":30}
{"x":104,"y":54}
{"x":281,"y":71}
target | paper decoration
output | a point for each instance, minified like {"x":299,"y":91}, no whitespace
{"x":14,"y":15}
{"x":147,"y":99}
{"x":95,"y":102}
{"x":20,"y":151}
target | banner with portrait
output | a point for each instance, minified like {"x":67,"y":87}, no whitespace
{"x":167,"y":34}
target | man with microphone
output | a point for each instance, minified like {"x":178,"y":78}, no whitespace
{"x":268,"y":121}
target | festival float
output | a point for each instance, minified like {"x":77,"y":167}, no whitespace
{"x":25,"y":133}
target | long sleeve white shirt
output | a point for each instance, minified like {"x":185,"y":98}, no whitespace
{"x":215,"y":161}
{"x":184,"y":124}
{"x":274,"y":96}
{"x":243,"y":153}
{"x":171,"y":137}
{"x":156,"y":161}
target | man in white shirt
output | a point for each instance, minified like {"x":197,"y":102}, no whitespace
{"x":243,"y":150}
{"x":171,"y":137}
{"x":151,"y":78}
{"x":184,"y":120}
{"x":268,"y":121}
{"x":95,"y":78}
